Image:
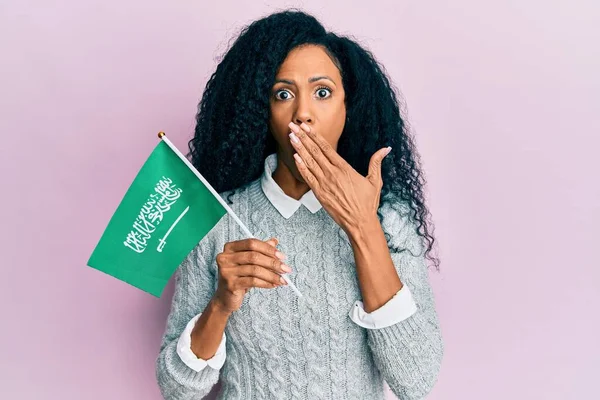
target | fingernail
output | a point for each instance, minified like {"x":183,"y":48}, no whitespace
{"x":286,"y":268}
{"x":305,"y":127}
{"x":388,"y":150}
{"x":283,"y":281}
{"x":280,"y":255}
{"x":294,"y":127}
{"x":294,"y":138}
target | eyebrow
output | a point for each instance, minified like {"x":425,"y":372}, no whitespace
{"x":310,"y":80}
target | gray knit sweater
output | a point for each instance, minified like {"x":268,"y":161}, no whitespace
{"x":280,"y":346}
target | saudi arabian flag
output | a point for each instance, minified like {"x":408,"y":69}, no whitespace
{"x":166,"y":211}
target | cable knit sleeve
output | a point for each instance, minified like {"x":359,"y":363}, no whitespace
{"x":398,"y":308}
{"x":194,"y":287}
{"x":409,"y":353}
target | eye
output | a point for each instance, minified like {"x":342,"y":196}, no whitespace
{"x":321,"y":90}
{"x":284,"y":92}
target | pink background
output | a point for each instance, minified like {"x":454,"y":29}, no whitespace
{"x":503,"y":97}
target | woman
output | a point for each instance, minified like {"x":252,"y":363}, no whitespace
{"x":293,"y":131}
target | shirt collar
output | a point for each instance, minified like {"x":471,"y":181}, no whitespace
{"x":285,"y":204}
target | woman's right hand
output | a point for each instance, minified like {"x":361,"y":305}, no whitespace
{"x":245,"y":264}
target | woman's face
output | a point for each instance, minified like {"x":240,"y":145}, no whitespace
{"x":308,"y":88}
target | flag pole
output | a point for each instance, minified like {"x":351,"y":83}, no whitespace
{"x":163,"y":137}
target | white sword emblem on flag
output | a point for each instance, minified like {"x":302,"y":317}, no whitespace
{"x":163,"y":240}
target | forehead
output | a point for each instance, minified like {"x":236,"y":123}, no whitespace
{"x":308,"y":60}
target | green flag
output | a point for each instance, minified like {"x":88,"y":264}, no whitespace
{"x":166,"y":211}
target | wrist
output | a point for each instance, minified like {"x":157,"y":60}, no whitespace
{"x":363,"y":232}
{"x":218,"y":308}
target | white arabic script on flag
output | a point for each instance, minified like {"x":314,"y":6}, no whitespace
{"x":152,"y":212}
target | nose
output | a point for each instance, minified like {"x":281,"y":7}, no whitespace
{"x":299,"y":121}
{"x":303,"y":111}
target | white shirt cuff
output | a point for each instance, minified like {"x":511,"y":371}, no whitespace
{"x":397,"y":309}
{"x":184,"y":350}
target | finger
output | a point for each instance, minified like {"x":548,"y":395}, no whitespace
{"x":309,"y":152}
{"x":326,"y":149}
{"x":256,"y":258}
{"x":260,"y":272}
{"x":253,"y":244}
{"x":248,"y":282}
{"x":308,"y":176}
{"x":305,"y":134}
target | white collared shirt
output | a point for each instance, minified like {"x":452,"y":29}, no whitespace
{"x":285,"y":204}
{"x":398,"y":308}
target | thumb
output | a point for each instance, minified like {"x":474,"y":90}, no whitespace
{"x":374,"y":175}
